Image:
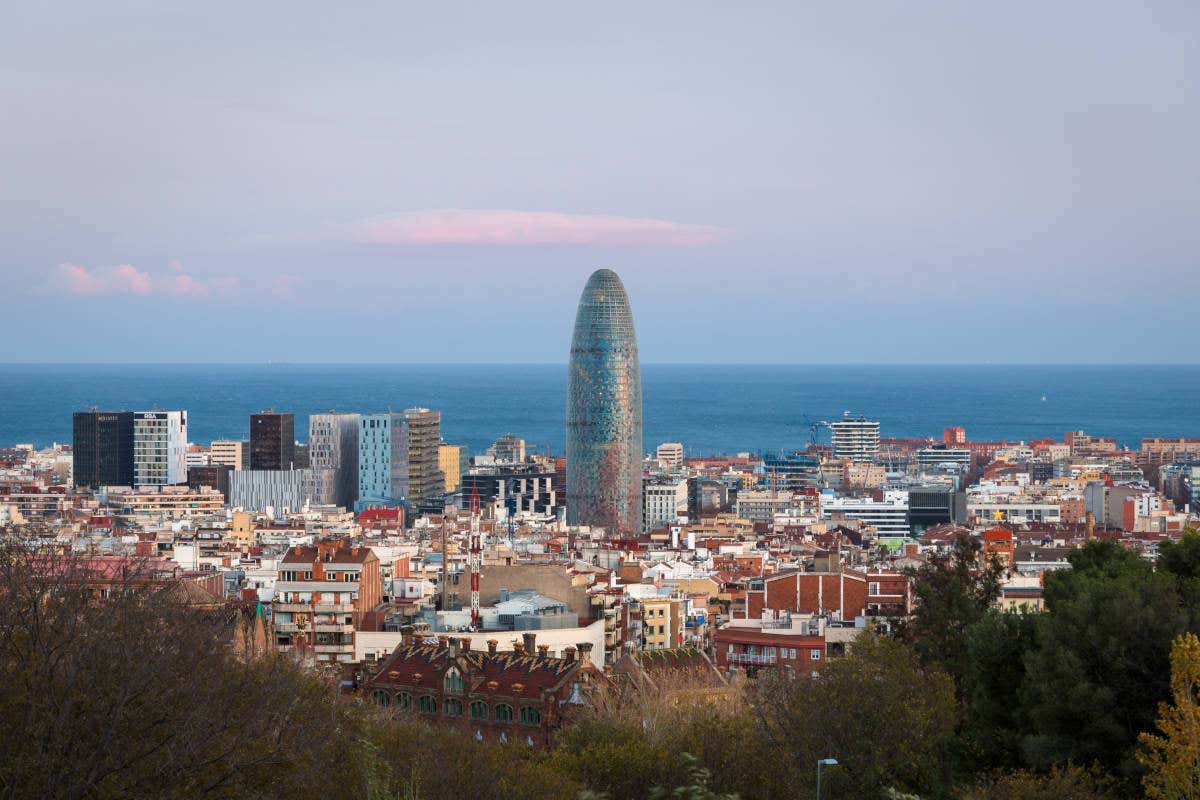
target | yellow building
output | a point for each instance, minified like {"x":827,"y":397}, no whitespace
{"x":243,"y":527}
{"x":449,"y":462}
{"x":662,"y":622}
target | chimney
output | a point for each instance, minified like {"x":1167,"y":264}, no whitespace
{"x":406,"y":635}
{"x":491,"y":643}
{"x":543,"y":650}
{"x":518,"y":648}
{"x":465,"y":643}
{"x":443,"y":641}
{"x":585,"y":651}
{"x":452,"y":642}
{"x":530,"y":641}
{"x":569,"y":653}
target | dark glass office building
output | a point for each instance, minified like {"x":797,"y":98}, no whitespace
{"x":102,"y":448}
{"x":272,"y":440}
{"x":604,"y":411}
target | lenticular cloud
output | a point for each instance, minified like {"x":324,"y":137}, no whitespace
{"x":497,"y":227}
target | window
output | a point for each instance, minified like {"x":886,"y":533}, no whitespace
{"x":873,"y":589}
{"x":531,"y":716}
{"x":428,"y":705}
{"x":815,"y":654}
{"x":452,"y":707}
{"x":452,"y":681}
{"x":403,"y":700}
{"x":503,"y":713}
{"x":382,"y":698}
{"x":479,"y":710}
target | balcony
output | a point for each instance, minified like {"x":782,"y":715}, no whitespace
{"x":331,"y":627}
{"x":333,"y":648}
{"x":750,"y":658}
{"x":317,"y":608}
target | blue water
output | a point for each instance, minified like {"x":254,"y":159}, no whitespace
{"x":710,"y":408}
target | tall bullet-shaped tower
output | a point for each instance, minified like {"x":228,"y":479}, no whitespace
{"x":604,"y":411}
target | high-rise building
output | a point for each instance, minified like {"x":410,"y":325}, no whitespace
{"x":856,"y":438}
{"x":272,"y":441}
{"x":450,"y":463}
{"x":426,"y":484}
{"x":232,"y":453}
{"x":333,"y":457}
{"x":159,"y":448}
{"x":508,"y":449}
{"x":382,"y":459}
{"x":604,"y":411}
{"x":670,"y":454}
{"x":102,"y":448}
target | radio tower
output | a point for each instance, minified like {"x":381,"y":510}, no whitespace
{"x":475,"y":560}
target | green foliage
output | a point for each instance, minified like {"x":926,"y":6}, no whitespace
{"x":886,"y":719}
{"x":993,"y":718}
{"x":1172,"y":757}
{"x":948,"y":600}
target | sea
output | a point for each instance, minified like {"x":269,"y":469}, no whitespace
{"x":715,"y":408}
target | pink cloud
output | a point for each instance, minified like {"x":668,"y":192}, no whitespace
{"x":529,"y":228}
{"x":126,"y":279}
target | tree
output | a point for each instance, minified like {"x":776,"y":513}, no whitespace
{"x":993,"y":718}
{"x":950,"y":599}
{"x":1060,"y":783}
{"x":1172,"y":759}
{"x":1100,"y":666}
{"x":884,"y":716}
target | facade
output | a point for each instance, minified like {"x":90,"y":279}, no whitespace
{"x":791,"y":471}
{"x":663,"y":620}
{"x":232,"y":453}
{"x":320,"y":597}
{"x":174,"y":502}
{"x":450,"y":463}
{"x":664,"y":501}
{"x":889,"y":516}
{"x":855,"y":438}
{"x":777,"y":642}
{"x":382,"y":459}
{"x":508,"y":449}
{"x":519,"y":487}
{"x":604,"y":411}
{"x":670,"y":454}
{"x":215,"y":476}
{"x":426,"y":484}
{"x":333,"y":457}
{"x":272,"y":441}
{"x":940,"y":455}
{"x":102,"y":447}
{"x":159,"y":448}
{"x":277,"y":489}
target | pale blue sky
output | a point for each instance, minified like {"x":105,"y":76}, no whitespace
{"x":785,"y":182}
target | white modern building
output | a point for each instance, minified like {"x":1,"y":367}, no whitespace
{"x":333,"y":457}
{"x":889,"y":517}
{"x":159,"y":448}
{"x":382,"y":459}
{"x":670,"y":455}
{"x":855,"y":438}
{"x":663,"y":501}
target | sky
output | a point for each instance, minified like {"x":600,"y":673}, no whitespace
{"x":782,"y":182}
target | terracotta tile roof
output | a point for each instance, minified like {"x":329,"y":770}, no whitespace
{"x":506,"y":674}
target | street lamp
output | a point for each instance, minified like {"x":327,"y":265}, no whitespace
{"x":824,"y":762}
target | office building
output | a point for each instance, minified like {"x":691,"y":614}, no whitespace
{"x":670,"y":455}
{"x":450,"y":463}
{"x":278,"y":490}
{"x":935,"y":505}
{"x":508,"y":449}
{"x":604,"y":411}
{"x":382,"y":460}
{"x":855,"y":438}
{"x":791,"y":471}
{"x":232,"y":453}
{"x":515,"y":487}
{"x":426,"y":484}
{"x":214,"y":476}
{"x":102,"y":448}
{"x":272,"y":441}
{"x":159,"y":448}
{"x":333,"y":457}
{"x":889,"y":517}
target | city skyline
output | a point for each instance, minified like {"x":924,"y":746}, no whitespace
{"x":918,"y":179}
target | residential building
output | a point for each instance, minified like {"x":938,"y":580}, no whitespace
{"x":663,"y":622}
{"x":450,"y":463}
{"x":508,"y":449}
{"x":426,"y":484}
{"x":775,"y":641}
{"x":321,"y":596}
{"x":102,"y":448}
{"x":664,"y":500}
{"x":272,"y":441}
{"x":856,"y":438}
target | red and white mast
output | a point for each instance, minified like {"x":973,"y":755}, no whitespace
{"x":475,"y":560}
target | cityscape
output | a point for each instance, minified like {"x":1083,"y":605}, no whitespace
{"x":544,"y":401}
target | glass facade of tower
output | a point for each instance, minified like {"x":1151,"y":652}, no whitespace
{"x":604,"y":411}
